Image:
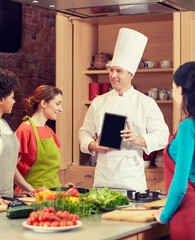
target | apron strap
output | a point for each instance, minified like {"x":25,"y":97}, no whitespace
{"x":33,"y":126}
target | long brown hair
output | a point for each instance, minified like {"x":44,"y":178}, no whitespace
{"x":44,"y":92}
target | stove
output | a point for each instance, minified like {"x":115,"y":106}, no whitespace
{"x":147,"y":196}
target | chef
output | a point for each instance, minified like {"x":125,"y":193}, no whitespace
{"x":145,"y":126}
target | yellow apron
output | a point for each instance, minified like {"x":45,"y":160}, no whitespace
{"x":44,"y":171}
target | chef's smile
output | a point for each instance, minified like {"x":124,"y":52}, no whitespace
{"x":120,"y":79}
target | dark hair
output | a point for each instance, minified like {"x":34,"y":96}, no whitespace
{"x":8,"y":83}
{"x":44,"y":92}
{"x":185,"y":77}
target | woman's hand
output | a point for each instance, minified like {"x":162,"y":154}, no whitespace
{"x":94,"y":147}
{"x":157,"y":214}
{"x":2,"y":202}
{"x":23,"y":194}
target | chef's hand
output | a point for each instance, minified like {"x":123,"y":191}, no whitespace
{"x":94,"y":147}
{"x":129,"y":135}
{"x":23,"y":194}
{"x":2,"y":202}
{"x":157,"y":214}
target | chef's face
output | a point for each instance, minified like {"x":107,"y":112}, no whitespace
{"x":53,"y":107}
{"x":177,"y":94}
{"x":120,"y":79}
{"x":7,"y":103}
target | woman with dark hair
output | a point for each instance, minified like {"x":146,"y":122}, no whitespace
{"x":179,"y":161}
{"x":39,"y":147}
{"x":9,"y":145}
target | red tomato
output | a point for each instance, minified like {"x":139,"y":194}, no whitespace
{"x":59,"y":213}
{"x":53,"y":197}
{"x":54,"y":218}
{"x":41,"y":224}
{"x":72,"y":191}
{"x":55,"y":224}
{"x":42,"y":218}
{"x":65,"y":215}
{"x":45,"y":210}
{"x":33,"y":214}
{"x":51,"y":210}
{"x":47,"y":224}
{"x":31,"y":220}
{"x":63,"y":223}
{"x":35,"y":224}
{"x":69,"y":223}
{"x":74,"y":217}
{"x":74,"y":222}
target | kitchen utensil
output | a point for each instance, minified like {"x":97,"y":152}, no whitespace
{"x":27,"y":199}
{"x":51,"y":229}
{"x":165,"y":63}
{"x":77,"y":184}
{"x":153,"y":93}
{"x":169,"y":94}
{"x":149,"y":64}
{"x":162,"y":94}
{"x":130,"y":216}
{"x":156,"y":204}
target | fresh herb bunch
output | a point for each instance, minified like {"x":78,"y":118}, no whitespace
{"x":81,"y":208}
{"x":90,"y":203}
{"x":109,"y":199}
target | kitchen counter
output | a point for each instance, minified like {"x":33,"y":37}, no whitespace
{"x":93,"y":228}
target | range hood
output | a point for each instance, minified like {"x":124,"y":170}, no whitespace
{"x":102,"y":8}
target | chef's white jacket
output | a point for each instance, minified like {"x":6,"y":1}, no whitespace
{"x":124,"y":168}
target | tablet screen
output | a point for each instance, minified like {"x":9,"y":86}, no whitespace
{"x":110,"y":134}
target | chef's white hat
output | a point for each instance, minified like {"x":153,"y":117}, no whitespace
{"x":129,"y":49}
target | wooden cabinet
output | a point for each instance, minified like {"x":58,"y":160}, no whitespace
{"x":77,"y":40}
{"x":155,"y":179}
{"x":81,"y":173}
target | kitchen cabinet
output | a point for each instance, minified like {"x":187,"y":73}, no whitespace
{"x":77,"y":40}
{"x":154,"y":177}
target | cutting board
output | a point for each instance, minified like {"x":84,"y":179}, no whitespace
{"x":156,"y":204}
{"x":3,"y":208}
{"x":130,"y":216}
{"x":27,"y":199}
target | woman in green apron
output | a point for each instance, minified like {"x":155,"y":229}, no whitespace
{"x":9,"y":145}
{"x":39,"y":147}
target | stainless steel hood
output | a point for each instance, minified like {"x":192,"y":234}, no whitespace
{"x":100,"y":8}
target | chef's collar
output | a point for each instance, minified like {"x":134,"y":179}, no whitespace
{"x":127,"y":93}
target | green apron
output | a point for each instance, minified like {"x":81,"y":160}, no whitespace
{"x":44,"y":171}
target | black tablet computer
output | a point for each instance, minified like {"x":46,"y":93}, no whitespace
{"x":110,"y":132}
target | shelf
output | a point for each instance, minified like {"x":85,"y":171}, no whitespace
{"x":144,"y":70}
{"x":87,"y":103}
